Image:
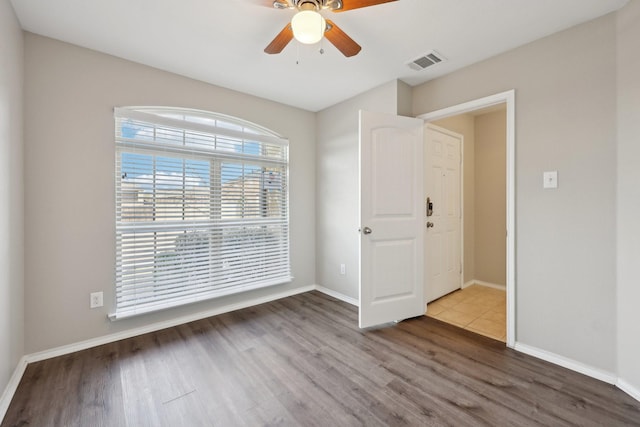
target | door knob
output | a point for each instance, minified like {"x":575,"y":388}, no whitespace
{"x":429,"y":224}
{"x":367,"y":230}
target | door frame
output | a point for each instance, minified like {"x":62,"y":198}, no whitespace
{"x":508,"y":98}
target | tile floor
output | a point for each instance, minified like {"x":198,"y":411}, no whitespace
{"x":477,"y":308}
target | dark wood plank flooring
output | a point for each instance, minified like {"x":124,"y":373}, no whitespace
{"x":302,"y":361}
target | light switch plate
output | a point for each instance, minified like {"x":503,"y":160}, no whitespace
{"x":550,"y":179}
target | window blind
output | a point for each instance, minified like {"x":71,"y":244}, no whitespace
{"x":201,"y":208}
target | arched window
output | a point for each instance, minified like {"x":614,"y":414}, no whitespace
{"x":201,"y":208}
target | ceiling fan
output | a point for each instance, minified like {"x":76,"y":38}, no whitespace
{"x":309,"y":26}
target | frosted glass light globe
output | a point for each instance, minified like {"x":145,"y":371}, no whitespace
{"x":308,"y":26}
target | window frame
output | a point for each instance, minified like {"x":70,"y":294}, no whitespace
{"x":276,"y":246}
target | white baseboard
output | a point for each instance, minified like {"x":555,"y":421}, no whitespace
{"x":106,"y":339}
{"x":338,"y":295}
{"x":628,"y":388}
{"x":12,"y":386}
{"x":486,"y":284}
{"x":565,"y":362}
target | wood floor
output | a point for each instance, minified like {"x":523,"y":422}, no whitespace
{"x":302,"y":361}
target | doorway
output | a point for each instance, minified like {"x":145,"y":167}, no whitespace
{"x":493,"y":282}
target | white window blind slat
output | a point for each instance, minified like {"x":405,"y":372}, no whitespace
{"x":202,"y":123}
{"x":201,"y":208}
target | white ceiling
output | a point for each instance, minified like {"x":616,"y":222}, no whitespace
{"x":222,"y":41}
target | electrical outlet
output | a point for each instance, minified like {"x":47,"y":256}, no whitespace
{"x":343,"y":269}
{"x":96,"y":300}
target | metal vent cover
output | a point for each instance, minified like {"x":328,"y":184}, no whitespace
{"x":426,"y":60}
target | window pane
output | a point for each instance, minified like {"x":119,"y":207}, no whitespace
{"x":156,"y":188}
{"x":137,"y":187}
{"x":252,"y":191}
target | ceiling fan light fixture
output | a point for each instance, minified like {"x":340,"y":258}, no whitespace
{"x":308,"y":26}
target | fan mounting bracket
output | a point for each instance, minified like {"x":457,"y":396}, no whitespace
{"x":308,"y":4}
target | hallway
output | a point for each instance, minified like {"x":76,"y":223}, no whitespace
{"x":477,"y":308}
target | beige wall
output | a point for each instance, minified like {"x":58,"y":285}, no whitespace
{"x":337,"y":189}
{"x":11,"y":194}
{"x":70,"y":93}
{"x":629,"y":195}
{"x":490,"y":197}
{"x":565,"y":121}
{"x":405,"y":101}
{"x":465,"y":126}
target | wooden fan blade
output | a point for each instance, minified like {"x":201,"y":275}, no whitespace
{"x":341,"y":40}
{"x":357,"y":4}
{"x":281,"y":41}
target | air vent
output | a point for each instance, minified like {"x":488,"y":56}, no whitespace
{"x":426,"y":60}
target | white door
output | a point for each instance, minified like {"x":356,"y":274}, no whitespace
{"x":391,"y":218}
{"x":443,"y":239}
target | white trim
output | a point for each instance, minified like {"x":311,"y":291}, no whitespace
{"x":511,"y":218}
{"x":628,"y":388}
{"x":106,"y":339}
{"x":467,"y":284}
{"x":565,"y":362}
{"x":144,"y":116}
{"x":14,"y":381}
{"x":507,"y":97}
{"x":338,"y":295}
{"x":12,"y":386}
{"x":469,"y":106}
{"x":134,"y":312}
{"x":488,"y":285}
